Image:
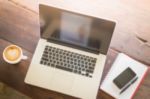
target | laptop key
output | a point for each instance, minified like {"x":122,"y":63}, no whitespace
{"x":48,"y":64}
{"x":41,"y":62}
{"x":64,"y":68}
{"x":89,"y":71}
{"x":87,"y":74}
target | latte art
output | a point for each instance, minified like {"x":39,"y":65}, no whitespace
{"x":12,"y":53}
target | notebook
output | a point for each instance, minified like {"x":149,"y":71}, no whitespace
{"x":121,"y":63}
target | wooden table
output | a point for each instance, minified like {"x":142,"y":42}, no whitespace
{"x":20,"y":26}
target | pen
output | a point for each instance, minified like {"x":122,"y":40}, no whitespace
{"x":128,"y":85}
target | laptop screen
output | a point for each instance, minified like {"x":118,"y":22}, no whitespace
{"x":76,"y":30}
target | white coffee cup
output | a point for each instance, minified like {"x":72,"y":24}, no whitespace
{"x":13,"y":54}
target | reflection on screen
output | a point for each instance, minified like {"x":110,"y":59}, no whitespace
{"x":75,"y":29}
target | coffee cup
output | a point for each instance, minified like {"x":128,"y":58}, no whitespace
{"x":13,"y":54}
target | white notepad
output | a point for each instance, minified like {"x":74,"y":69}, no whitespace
{"x":121,"y":63}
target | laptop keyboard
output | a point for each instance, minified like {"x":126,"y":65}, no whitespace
{"x":68,"y":61}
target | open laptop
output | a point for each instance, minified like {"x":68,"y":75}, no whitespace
{"x":70,"y":55}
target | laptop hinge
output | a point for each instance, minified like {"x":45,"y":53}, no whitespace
{"x":74,"y":46}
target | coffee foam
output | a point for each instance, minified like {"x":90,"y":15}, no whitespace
{"x":12,"y":53}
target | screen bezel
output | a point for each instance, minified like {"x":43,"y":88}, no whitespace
{"x":89,"y":49}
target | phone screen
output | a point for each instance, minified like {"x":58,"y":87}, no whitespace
{"x":125,"y":77}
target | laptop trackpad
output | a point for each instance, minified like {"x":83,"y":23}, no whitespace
{"x":63,"y":82}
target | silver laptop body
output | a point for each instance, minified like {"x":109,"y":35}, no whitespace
{"x":70,"y":55}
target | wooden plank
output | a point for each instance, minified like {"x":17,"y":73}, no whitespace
{"x":103,"y":95}
{"x":2,"y":88}
{"x":21,"y":29}
{"x":13,"y":76}
{"x":144,"y":89}
{"x":31,"y":5}
{"x":132,"y":18}
{"x":19,"y":26}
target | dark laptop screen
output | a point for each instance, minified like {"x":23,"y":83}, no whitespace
{"x":74,"y":29}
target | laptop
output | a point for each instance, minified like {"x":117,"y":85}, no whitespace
{"x":71,"y":53}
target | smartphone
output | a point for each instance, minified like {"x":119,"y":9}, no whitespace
{"x":126,"y":78}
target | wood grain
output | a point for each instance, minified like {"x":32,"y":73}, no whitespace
{"x":20,"y":26}
{"x":31,"y":5}
{"x":144,"y":89}
{"x":132,"y":18}
{"x":13,"y":76}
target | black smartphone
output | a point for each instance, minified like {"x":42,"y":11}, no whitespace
{"x":125,"y":78}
